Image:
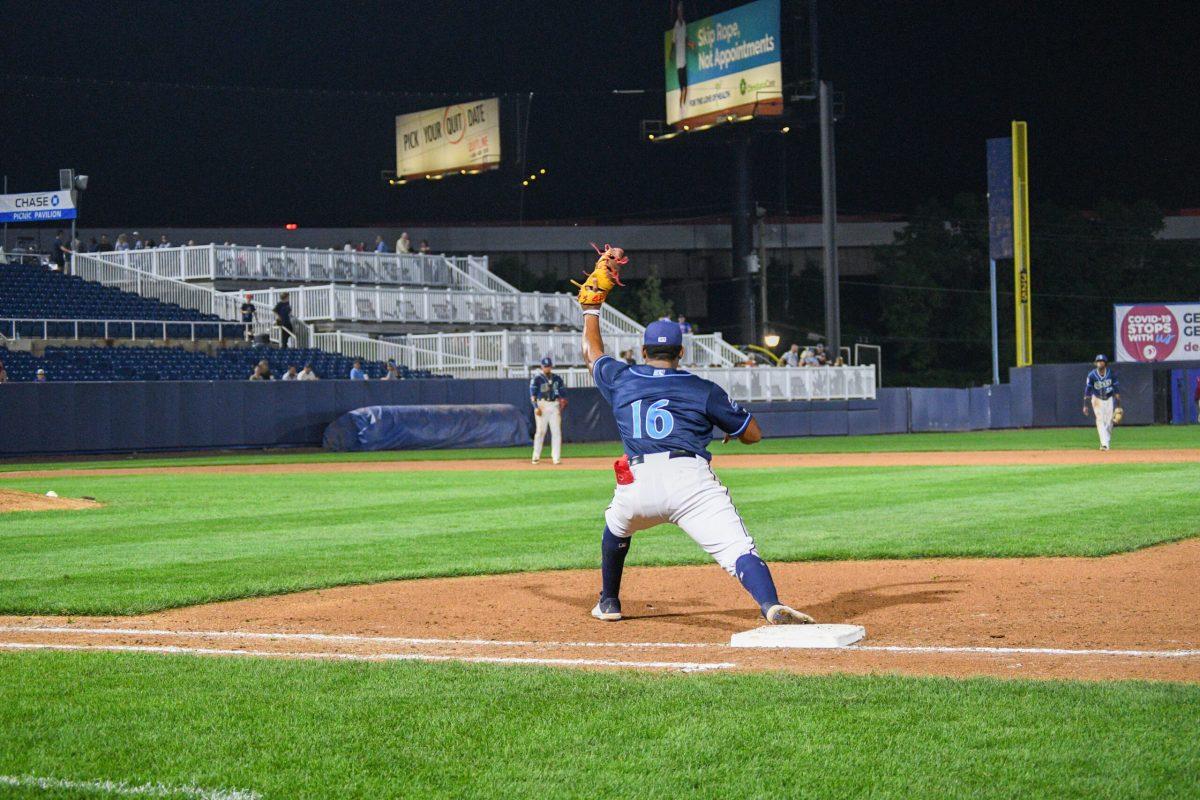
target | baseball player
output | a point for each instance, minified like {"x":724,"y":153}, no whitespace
{"x":549,"y":400}
{"x":665,"y":416}
{"x":1102,"y":394}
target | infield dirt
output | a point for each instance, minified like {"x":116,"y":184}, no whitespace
{"x":1141,"y":602}
{"x":13,"y":500}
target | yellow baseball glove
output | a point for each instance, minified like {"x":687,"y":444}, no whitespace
{"x":1118,"y":415}
{"x":602,"y":278}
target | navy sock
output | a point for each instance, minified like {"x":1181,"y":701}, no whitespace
{"x":613,"y":550}
{"x":752,"y":571}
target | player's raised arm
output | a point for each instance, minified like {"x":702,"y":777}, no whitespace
{"x":592,"y":293}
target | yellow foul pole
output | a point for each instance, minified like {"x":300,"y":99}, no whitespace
{"x":1020,"y":165}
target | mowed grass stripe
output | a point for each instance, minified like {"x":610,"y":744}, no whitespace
{"x":1151,"y":437}
{"x":314,"y":730}
{"x":169,"y":541}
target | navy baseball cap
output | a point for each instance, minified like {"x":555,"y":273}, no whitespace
{"x":663,"y":332}
{"x":1101,"y":357}
{"x":547,"y":362}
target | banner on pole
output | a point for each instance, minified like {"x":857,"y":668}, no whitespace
{"x":1000,"y":198}
{"x":37,"y":206}
{"x":1020,"y":218}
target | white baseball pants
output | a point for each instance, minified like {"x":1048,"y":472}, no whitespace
{"x":683,"y":491}
{"x":1103,"y":411}
{"x":550,"y":418}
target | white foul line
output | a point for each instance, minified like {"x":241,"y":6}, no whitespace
{"x":1038,"y":651}
{"x":347,"y":637}
{"x":123,"y":789}
{"x":683,"y":666}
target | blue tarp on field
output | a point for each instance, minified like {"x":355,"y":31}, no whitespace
{"x":428,"y":428}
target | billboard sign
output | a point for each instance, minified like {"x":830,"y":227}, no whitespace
{"x":1157,"y":332}
{"x":448,"y":139}
{"x":37,"y":206}
{"x":729,"y":63}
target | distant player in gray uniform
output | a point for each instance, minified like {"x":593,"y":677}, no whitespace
{"x":1102,"y":395}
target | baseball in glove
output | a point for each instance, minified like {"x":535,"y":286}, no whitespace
{"x":1118,"y":415}
{"x":602,"y":278}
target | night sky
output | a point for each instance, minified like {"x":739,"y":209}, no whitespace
{"x":234,"y":113}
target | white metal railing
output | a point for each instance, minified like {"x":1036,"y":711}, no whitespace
{"x":100,"y":268}
{"x":521,"y":348}
{"x":15,"y":328}
{"x":214,"y":262}
{"x":340,"y":303}
{"x":765,"y":383}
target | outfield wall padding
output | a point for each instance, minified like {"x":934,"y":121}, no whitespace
{"x":58,"y":418}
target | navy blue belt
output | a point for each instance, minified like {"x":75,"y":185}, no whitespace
{"x":670,"y":454}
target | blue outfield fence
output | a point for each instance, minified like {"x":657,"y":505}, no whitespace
{"x":59,"y":418}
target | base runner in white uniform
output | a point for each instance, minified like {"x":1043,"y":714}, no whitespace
{"x":549,"y":400}
{"x":666,"y":417}
{"x":1102,"y":395}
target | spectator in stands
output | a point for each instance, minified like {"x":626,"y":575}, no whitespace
{"x":122,"y":242}
{"x":685,"y":327}
{"x":3,"y":373}
{"x":307,"y":373}
{"x":138,"y":244}
{"x":392,"y":374}
{"x":291,"y":374}
{"x":105,"y":245}
{"x":347,"y":247}
{"x":93,"y":246}
{"x":380,"y":247}
{"x":822,"y":358}
{"x":247,"y":310}
{"x":58,"y":251}
{"x":809,"y":359}
{"x":627,"y":357}
{"x":839,"y":362}
{"x":424,"y":250}
{"x":163,"y":241}
{"x":403,"y":245}
{"x":356,"y":372}
{"x":283,"y":318}
{"x":40,"y":377}
{"x":792,"y":357}
{"x":262,"y":372}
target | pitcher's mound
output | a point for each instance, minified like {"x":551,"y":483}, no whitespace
{"x":13,"y":500}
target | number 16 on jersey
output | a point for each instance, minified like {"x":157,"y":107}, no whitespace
{"x":658,"y":423}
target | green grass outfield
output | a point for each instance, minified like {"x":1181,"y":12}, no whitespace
{"x":290,"y":729}
{"x":1144,"y":438}
{"x":164,"y":541}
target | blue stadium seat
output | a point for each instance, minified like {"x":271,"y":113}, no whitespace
{"x":176,"y":364}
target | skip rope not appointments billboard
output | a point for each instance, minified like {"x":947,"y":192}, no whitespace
{"x":1157,"y":332}
{"x":728,"y":63}
{"x":456,"y":138}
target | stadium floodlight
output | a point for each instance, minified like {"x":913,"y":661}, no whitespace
{"x":771,"y":340}
{"x":542,"y":171}
{"x":786,"y":129}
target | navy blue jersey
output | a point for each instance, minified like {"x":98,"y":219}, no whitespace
{"x":659,"y":410}
{"x":543,"y":388}
{"x":1102,"y":386}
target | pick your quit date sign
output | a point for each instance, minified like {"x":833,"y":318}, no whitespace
{"x":1157,"y":332}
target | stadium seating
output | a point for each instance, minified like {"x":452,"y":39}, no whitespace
{"x":38,"y":293}
{"x":177,"y":364}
